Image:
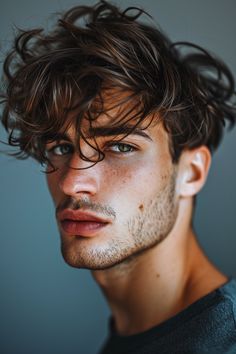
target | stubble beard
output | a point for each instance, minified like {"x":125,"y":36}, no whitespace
{"x":144,"y":231}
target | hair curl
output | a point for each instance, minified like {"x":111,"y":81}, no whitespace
{"x":100,"y":49}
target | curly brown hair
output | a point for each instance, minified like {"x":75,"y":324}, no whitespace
{"x":100,"y":49}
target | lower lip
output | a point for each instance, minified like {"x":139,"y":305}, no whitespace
{"x":82,"y":228}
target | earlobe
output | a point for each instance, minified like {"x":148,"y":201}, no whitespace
{"x":193,"y":170}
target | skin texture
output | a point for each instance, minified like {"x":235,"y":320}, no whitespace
{"x":141,"y":222}
{"x":147,"y":257}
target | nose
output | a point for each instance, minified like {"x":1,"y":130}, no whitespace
{"x":79,"y":177}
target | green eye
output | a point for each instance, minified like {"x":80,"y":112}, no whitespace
{"x":121,"y":148}
{"x":60,"y":150}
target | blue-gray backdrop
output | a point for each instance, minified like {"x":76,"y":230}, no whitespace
{"x":47,"y":307}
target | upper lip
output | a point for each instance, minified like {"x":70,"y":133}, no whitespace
{"x":79,"y":215}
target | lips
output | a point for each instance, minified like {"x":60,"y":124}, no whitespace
{"x":80,"y":223}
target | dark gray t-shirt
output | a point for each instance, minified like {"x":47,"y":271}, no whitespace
{"x":206,"y":326}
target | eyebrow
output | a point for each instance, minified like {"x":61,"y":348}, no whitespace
{"x":96,"y":132}
{"x":56,"y":137}
{"x":117,"y":130}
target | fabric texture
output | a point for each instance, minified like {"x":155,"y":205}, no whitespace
{"x":206,"y":326}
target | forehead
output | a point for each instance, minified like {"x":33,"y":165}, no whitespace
{"x":116,"y":115}
{"x":114,"y":110}
{"x":150,"y":130}
{"x":112,"y":113}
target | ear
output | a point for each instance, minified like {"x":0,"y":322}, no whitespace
{"x":193,"y":170}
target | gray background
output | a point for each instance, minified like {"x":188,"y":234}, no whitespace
{"x":46,"y":307}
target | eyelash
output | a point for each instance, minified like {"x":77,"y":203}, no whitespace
{"x":52,"y":150}
{"x":108,"y":147}
{"x":119,"y":144}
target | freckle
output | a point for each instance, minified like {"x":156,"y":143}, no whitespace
{"x":158,"y":275}
{"x":164,"y":177}
{"x":141,"y":207}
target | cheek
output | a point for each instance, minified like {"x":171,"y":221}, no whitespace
{"x":132,"y":186}
{"x":53,"y":185}
{"x":128,"y":186}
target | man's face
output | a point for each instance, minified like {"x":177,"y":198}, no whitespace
{"x":119,"y":207}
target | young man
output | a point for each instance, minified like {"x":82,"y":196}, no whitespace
{"x":125,"y":125}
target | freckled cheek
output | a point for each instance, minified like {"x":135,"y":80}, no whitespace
{"x":130,"y":185}
{"x":114,"y":179}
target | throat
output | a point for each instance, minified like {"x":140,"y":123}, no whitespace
{"x":140,"y":293}
{"x":158,"y":284}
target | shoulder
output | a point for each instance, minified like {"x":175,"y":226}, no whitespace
{"x":206,"y":326}
{"x":210,"y":323}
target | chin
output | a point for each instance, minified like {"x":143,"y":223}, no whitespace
{"x":80,"y":260}
{"x":88,"y":259}
{"x":90,"y":265}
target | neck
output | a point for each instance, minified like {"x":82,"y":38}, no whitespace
{"x":167,"y":278}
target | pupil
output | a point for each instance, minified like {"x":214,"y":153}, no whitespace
{"x":64,"y":149}
{"x":124,"y":148}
